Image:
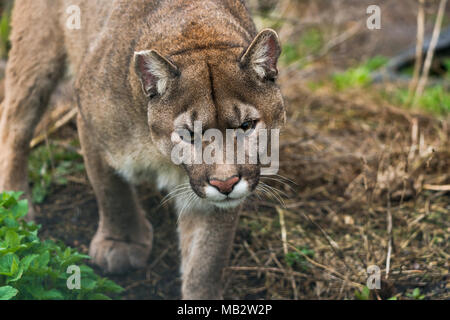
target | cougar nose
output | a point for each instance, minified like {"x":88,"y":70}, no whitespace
{"x":226,"y":186}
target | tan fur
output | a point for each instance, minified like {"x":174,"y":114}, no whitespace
{"x":141,"y":70}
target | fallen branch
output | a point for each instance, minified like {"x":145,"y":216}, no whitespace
{"x":59,"y":124}
{"x":389,"y":232}
{"x":285,"y":249}
{"x":437,"y":187}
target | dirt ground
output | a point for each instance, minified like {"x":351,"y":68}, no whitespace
{"x":358,"y":180}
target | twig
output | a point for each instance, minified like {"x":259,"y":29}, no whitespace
{"x":346,"y":35}
{"x":160,"y":257}
{"x":283,"y":230}
{"x":434,"y":40}
{"x":252,"y":253}
{"x":285,"y":248}
{"x":419,"y":48}
{"x":59,"y":124}
{"x":333,"y":43}
{"x":436,"y":187}
{"x":68,"y":147}
{"x":389,"y":231}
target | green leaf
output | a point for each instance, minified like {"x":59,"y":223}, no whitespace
{"x":8,"y":264}
{"x":112,"y":287}
{"x":52,"y":294}
{"x":8,"y":200}
{"x":85,"y":270}
{"x":10,"y":222}
{"x":98,"y":296}
{"x":36,"y":291}
{"x":26,"y":262}
{"x":17,"y":272}
{"x":12,"y":239}
{"x":416,"y":294}
{"x":44,"y":259}
{"x":88,"y":284}
{"x":364,"y":294}
{"x":8,"y":292}
{"x":20,"y":210}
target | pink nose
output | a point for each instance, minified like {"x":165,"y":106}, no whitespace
{"x":225,"y":186}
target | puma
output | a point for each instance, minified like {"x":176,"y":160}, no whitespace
{"x":142,"y":70}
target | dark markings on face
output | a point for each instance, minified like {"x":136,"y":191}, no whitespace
{"x":237,"y":113}
{"x":213,"y":93}
{"x":194,"y":116}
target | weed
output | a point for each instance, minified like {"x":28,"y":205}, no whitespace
{"x":297,"y":259}
{"x":416,"y":295}
{"x":363,"y":294}
{"x":48,"y":165}
{"x":35,"y":269}
{"x":309,"y":43}
{"x":359,"y":76}
{"x":5,"y":29}
{"x":435,"y":99}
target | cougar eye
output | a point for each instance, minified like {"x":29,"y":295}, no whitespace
{"x":248,"y":125}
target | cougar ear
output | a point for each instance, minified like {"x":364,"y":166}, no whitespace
{"x":262,"y":55}
{"x":154,"y":71}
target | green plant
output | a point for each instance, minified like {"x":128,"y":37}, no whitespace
{"x":359,"y":76}
{"x":312,"y":41}
{"x":363,"y":294}
{"x":5,"y":29}
{"x":435,"y":99}
{"x":416,"y":295}
{"x":309,"y":43}
{"x":35,"y":269}
{"x":297,"y":258}
{"x":290,"y":53}
{"x":50,"y":165}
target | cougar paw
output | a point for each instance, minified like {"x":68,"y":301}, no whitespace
{"x":117,"y":256}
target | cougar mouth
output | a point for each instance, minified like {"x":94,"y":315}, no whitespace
{"x":228,"y":200}
{"x":228,"y":203}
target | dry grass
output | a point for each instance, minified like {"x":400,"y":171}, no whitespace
{"x":356,"y":163}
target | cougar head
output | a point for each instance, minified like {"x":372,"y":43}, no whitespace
{"x":232,"y":91}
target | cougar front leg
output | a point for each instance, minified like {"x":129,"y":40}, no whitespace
{"x":206,"y":240}
{"x":124,"y":236}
